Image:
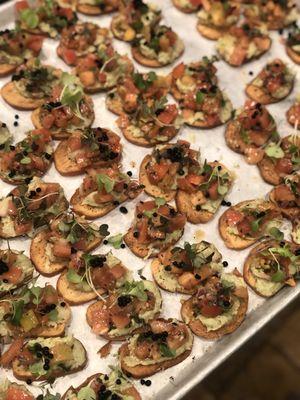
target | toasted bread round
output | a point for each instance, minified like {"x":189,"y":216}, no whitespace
{"x":151,"y":189}
{"x":209,"y":32}
{"x":142,"y":250}
{"x":72,"y":296}
{"x":142,"y":371}
{"x":131,"y":391}
{"x":293,"y":55}
{"x":291,"y":213}
{"x":138,"y":141}
{"x":199,"y":329}
{"x":260,"y":96}
{"x":23,"y":374}
{"x":233,"y":241}
{"x":198,"y":123}
{"x":157,"y":267}
{"x":268,"y":172}
{"x":183,"y":203}
{"x":12,"y":96}
{"x":41,"y":260}
{"x":88,"y":211}
{"x":6,"y":69}
{"x":248,"y":276}
{"x":185,"y":10}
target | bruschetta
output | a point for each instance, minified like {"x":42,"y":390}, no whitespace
{"x":34,"y":312}
{"x":243,"y":43}
{"x":111,"y":386}
{"x":201,"y":194}
{"x":94,"y":7}
{"x":280,"y":159}
{"x":81,"y":39}
{"x":273,"y":83}
{"x":46,"y":18}
{"x":90,"y":276}
{"x":134,"y":87}
{"x":154,"y":122}
{"x":28,"y":158}
{"x":16,"y":270}
{"x":125,"y":311}
{"x":187,"y":6}
{"x":44,"y":359}
{"x":183,"y":269}
{"x":102,"y":71}
{"x":156,"y":227}
{"x":31,"y":85}
{"x":165,"y":343}
{"x":30,"y":206}
{"x":187,"y":78}
{"x":162,"y":172}
{"x":16,"y":47}
{"x":275,"y":14}
{"x":216,"y":17}
{"x":206,"y":108}
{"x":249,"y":221}
{"x":162,"y":46}
{"x":14,"y":391}
{"x":51,"y":248}
{"x":135,"y":18}
{"x":270,"y":266}
{"x":250,"y":130}
{"x":219,"y":307}
{"x":293,"y":114}
{"x":292,"y":44}
{"x":88,"y":148}
{"x":67,"y":110}
{"x":286,"y":196}
{"x":102,"y":190}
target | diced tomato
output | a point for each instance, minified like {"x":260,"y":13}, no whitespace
{"x":213,"y":191}
{"x":67,"y":12}
{"x":284,"y":165}
{"x":118,"y":271}
{"x":37,"y":162}
{"x":178,"y":71}
{"x":13,"y":275}
{"x":35,"y":43}
{"x":143,"y":231}
{"x":195,"y":179}
{"x":176,"y":223}
{"x":158,"y":172}
{"x":146,"y":206}
{"x":48,"y":121}
{"x":233,"y":216}
{"x":14,"y":350}
{"x":22,"y":228}
{"x":69,"y":56}
{"x":50,"y":295}
{"x":45,"y":134}
{"x":172,"y":36}
{"x":168,"y":115}
{"x":15,"y":393}
{"x":211,"y":311}
{"x":185,"y":185}
{"x":61,"y":248}
{"x":102,"y":77}
{"x":21,"y":5}
{"x":120,"y":320}
{"x":244,"y":226}
{"x":74,"y":142}
{"x":273,"y":84}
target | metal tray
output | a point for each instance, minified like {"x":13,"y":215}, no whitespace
{"x":175,"y":382}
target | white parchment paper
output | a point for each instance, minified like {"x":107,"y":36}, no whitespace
{"x":176,"y":381}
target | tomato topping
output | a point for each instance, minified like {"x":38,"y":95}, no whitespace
{"x":102,"y":77}
{"x":14,"y":350}
{"x":195,"y":179}
{"x":178,"y":71}
{"x":21,"y":5}
{"x":233,"y":216}
{"x":157,"y":172}
{"x":61,"y":248}
{"x":15,"y":393}
{"x":13,"y":275}
{"x":210,"y":311}
{"x":213,"y":191}
{"x":284,"y":165}
{"x":35,"y":43}
{"x":168,"y":115}
{"x":69,"y":56}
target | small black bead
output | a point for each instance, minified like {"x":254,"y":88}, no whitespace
{"x":118,"y":381}
{"x":73,"y":250}
{"x":116,"y":203}
{"x":105,"y":241}
{"x":181,"y":172}
{"x":228,"y":203}
{"x":47,"y":156}
{"x":224,"y":203}
{"x":142,"y":381}
{"x":139,"y":216}
{"x":63,"y":304}
{"x":27,"y":180}
{"x":148,"y":382}
{"x":225,"y":264}
{"x":198,"y":207}
{"x":29,"y":381}
{"x":5,"y":280}
{"x":123,"y":210}
{"x":16,"y":123}
{"x":297,"y":252}
{"x":168,"y":268}
{"x":219,"y":167}
{"x":136,"y":234}
{"x":46,"y":367}
{"x":12,"y":147}
{"x":38,"y":190}
{"x":3,"y":125}
{"x":123,"y":246}
{"x":250,"y":73}
{"x":129,"y":173}
{"x":197,"y":276}
{"x":281,"y":244}
{"x":16,"y":116}
{"x":106,"y":377}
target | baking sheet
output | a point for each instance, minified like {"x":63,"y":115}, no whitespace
{"x":206,"y":355}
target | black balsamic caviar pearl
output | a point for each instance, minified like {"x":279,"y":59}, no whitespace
{"x":224,"y":203}
{"x":16,"y":116}
{"x":106,"y":377}
{"x":29,"y":381}
{"x":46,"y":367}
{"x":105,"y":241}
{"x":225,"y":264}
{"x":123,"y":246}
{"x":219,"y":167}
{"x":139,"y":216}
{"x":40,"y":397}
{"x":148,"y":382}
{"x":198,"y":207}
{"x":118,"y":381}
{"x":281,"y":244}
{"x":12,"y":148}
{"x":73,"y":250}
{"x":116,"y":203}
{"x":129,"y":173}
{"x":39,"y":354}
{"x":3,"y":125}
{"x":168,"y":268}
{"x":297,"y":252}
{"x":27,"y":180}
{"x":16,"y":123}
{"x":123,"y":210}
{"x":136,"y":234}
{"x":197,"y":276}
{"x":3,"y":267}
{"x":142,"y":381}
{"x":250,"y":73}
{"x":181,"y":172}
{"x":228,"y":203}
{"x":226,"y":303}
{"x":97,"y":262}
{"x":123,"y":301}
{"x":5,"y":280}
{"x":63,"y":304}
{"x":47,"y":156}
